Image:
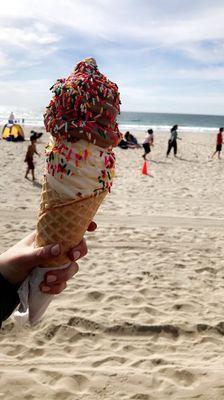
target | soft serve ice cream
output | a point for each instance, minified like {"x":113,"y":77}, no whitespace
{"x":81,"y":118}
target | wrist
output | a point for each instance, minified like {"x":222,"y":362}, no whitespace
{"x":12,"y":271}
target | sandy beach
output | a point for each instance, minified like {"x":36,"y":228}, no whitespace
{"x":143,"y":319}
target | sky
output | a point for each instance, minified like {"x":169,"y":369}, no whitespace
{"x":165,"y":55}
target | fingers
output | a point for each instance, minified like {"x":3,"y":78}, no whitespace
{"x":92,"y":226}
{"x":78,"y":251}
{"x":26,"y":256}
{"x":61,"y":275}
{"x":55,"y":281}
{"x":81,"y":250}
{"x":56,"y":289}
{"x":29,"y":239}
{"x":37,"y":255}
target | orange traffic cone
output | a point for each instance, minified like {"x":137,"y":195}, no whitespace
{"x":145,"y":168}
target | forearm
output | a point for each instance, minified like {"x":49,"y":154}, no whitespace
{"x":13,"y":268}
{"x":9,"y":298}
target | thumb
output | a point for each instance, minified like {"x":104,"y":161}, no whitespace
{"x":39,"y":254}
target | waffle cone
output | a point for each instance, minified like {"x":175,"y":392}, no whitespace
{"x":64,"y":222}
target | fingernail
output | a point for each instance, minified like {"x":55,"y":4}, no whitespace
{"x":51,"y":278}
{"x":76,"y":255}
{"x":45,"y":289}
{"x":55,"y":250}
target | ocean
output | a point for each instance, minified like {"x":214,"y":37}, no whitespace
{"x":134,"y":121}
{"x":162,"y":121}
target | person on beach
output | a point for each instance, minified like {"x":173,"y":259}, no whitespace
{"x":148,"y":142}
{"x":29,"y":157}
{"x":123,"y":144}
{"x":18,"y":261}
{"x":11,"y":119}
{"x":172,"y":143}
{"x":131,"y":140}
{"x":128,"y":142}
{"x":219,"y":141}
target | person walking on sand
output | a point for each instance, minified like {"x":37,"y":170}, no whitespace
{"x":219,"y":141}
{"x":29,"y":157}
{"x":148,"y":142}
{"x":172,"y":143}
{"x":11,"y":118}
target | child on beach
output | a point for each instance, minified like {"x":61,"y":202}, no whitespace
{"x":149,"y":139}
{"x":173,"y":141}
{"x":29,"y":157}
{"x":219,"y":141}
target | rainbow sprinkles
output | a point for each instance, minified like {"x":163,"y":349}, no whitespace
{"x":63,"y":161}
{"x":81,"y":118}
{"x":85,"y":106}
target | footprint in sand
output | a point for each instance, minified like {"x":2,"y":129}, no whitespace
{"x":31,"y":353}
{"x":206,"y":269}
{"x":46,"y":376}
{"x":75,"y":383}
{"x":141,"y":396}
{"x":8,"y":226}
{"x":109,"y":361}
{"x":181,"y":377}
{"x":62,"y":395}
{"x":95,"y":295}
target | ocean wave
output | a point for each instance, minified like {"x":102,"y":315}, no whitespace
{"x":165,"y":128}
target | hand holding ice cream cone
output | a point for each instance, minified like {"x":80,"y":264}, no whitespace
{"x":18,"y":261}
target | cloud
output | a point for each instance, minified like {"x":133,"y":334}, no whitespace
{"x":208,"y":53}
{"x":15,"y":93}
{"x":140,"y":24}
{"x":5,"y":61}
{"x":24,"y":45}
{"x":127,"y":19}
{"x":25,"y":37}
{"x":144,"y":101}
{"x":151,"y":47}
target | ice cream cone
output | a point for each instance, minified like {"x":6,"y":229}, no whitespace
{"x":64,"y":222}
{"x":80,"y":166}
